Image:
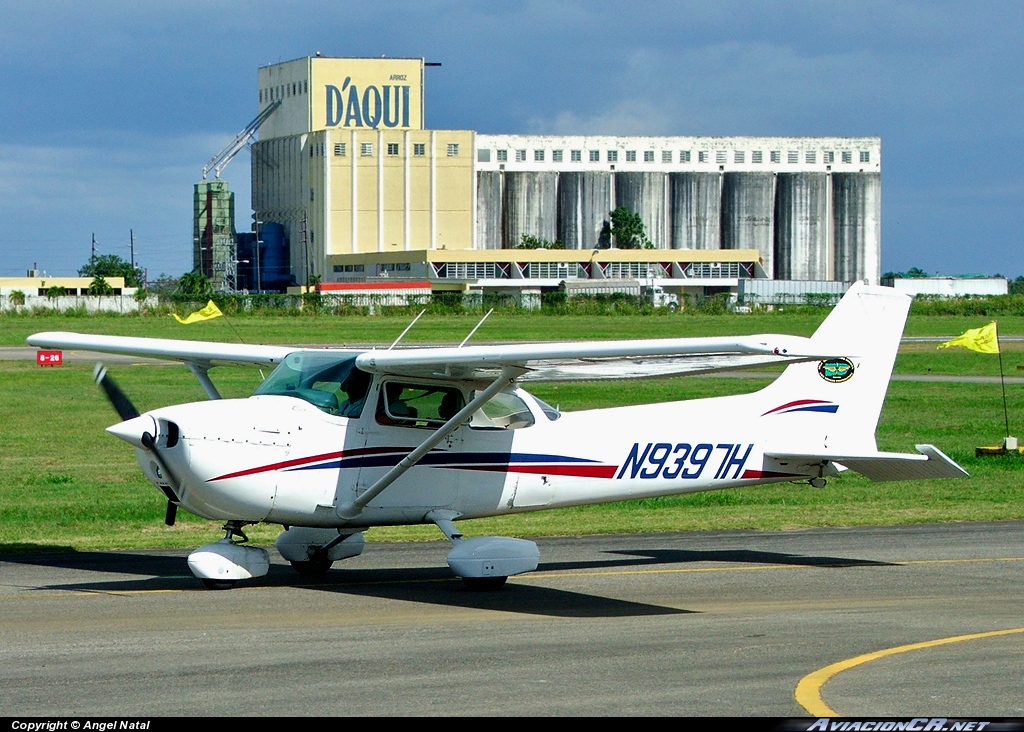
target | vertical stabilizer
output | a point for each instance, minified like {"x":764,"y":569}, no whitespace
{"x":834,"y":404}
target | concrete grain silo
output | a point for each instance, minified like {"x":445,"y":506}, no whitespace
{"x":856,"y":214}
{"x":584,"y":201}
{"x":488,"y":209}
{"x":646,"y":194}
{"x":748,"y":214}
{"x":530,"y":206}
{"x":801,"y":226}
{"x":695,"y":210}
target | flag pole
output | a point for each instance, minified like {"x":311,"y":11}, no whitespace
{"x":1002,"y":384}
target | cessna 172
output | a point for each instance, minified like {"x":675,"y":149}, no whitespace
{"x":335,"y":441}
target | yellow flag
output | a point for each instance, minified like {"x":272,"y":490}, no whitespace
{"x":210,"y":311}
{"x":982,"y":340}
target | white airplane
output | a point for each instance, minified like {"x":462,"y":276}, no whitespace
{"x":335,"y":441}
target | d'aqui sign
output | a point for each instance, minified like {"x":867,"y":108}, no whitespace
{"x":371,"y":106}
{"x":367,"y":94}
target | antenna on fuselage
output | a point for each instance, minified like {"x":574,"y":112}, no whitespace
{"x":477,"y":328}
{"x":407,"y":329}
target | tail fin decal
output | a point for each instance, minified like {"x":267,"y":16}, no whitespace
{"x":804,"y":405}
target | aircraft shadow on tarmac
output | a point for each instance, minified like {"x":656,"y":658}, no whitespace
{"x":434,"y":585}
{"x":742,"y":556}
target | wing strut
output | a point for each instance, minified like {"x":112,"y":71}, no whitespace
{"x":201,"y":372}
{"x":352,"y":509}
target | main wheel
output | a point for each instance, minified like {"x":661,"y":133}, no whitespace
{"x":215,"y":584}
{"x":312,"y":568}
{"x":484,"y":584}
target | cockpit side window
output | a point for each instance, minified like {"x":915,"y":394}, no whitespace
{"x":330,"y":382}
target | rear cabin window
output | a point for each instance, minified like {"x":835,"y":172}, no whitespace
{"x":505,"y":411}
{"x":418,"y":405}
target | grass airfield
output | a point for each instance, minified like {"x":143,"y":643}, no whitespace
{"x":66,"y":484}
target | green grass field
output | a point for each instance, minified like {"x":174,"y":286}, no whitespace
{"x":66,"y":484}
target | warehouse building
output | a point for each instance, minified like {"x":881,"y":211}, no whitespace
{"x":360,"y":188}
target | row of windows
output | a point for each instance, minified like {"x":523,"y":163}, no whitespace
{"x":419,"y":149}
{"x":703,"y":156}
{"x":284,"y":90}
{"x":552,"y":270}
{"x":361,"y":268}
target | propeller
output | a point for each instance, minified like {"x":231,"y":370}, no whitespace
{"x":126,"y":410}
{"x":120,"y":401}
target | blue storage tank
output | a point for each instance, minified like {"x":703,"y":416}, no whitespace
{"x":246,"y":277}
{"x":274,"y":259}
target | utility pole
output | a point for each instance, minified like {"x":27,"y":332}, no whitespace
{"x":93,"y":247}
{"x":256,"y":226}
{"x":131,"y":237}
{"x":305,"y":248}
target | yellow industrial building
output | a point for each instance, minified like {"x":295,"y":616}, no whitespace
{"x":361,"y":190}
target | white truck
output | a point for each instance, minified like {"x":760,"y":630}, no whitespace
{"x":656,"y":296}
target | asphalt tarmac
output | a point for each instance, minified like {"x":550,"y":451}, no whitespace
{"x":722,"y":623}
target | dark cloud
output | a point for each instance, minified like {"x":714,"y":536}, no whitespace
{"x":113,"y":107}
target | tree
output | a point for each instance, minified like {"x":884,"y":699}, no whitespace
{"x":195,"y":284}
{"x":528,"y":241}
{"x":628,"y":230}
{"x":914,"y":273}
{"x":1016,"y":286}
{"x":99,"y":286}
{"x":111,"y":265}
{"x":164,"y":285}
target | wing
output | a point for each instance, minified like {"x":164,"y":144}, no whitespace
{"x":593,"y":359}
{"x":201,"y":353}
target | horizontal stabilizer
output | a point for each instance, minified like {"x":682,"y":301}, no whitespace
{"x":880,"y":466}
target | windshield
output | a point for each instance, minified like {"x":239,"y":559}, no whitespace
{"x":329,"y":381}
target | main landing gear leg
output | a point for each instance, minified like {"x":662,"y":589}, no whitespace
{"x":311,"y":552}
{"x":485,"y":562}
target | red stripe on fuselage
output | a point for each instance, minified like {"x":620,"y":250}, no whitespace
{"x":760,"y":474}
{"x":309,"y":460}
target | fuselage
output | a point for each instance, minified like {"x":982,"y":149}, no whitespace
{"x":288,"y":460}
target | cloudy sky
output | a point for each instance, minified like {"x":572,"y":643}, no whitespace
{"x":111,"y":108}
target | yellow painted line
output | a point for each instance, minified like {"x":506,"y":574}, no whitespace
{"x":761,"y":567}
{"x":962,"y":561}
{"x":618,"y":572}
{"x":808,"y":691}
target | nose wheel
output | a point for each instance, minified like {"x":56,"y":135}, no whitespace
{"x":221,"y":564}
